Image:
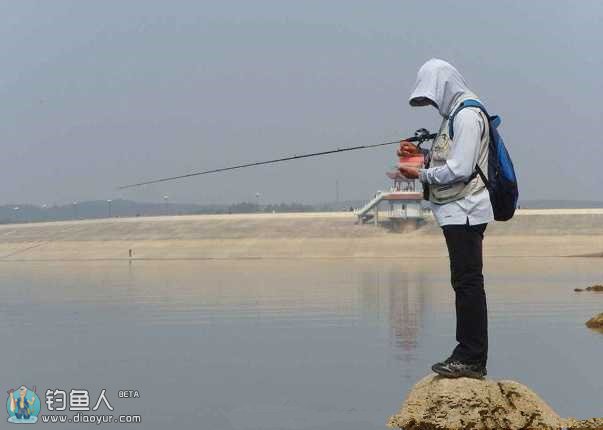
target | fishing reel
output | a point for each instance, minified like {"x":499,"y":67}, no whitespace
{"x":415,"y":160}
{"x":422,"y":135}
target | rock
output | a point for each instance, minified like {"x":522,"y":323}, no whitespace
{"x":595,"y":322}
{"x":578,"y":290}
{"x":591,"y":424}
{"x":596,"y":288}
{"x":437,"y":403}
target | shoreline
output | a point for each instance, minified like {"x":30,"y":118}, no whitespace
{"x":289,"y":215}
{"x":532,"y":233}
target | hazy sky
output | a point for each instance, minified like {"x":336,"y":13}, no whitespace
{"x":95,"y":94}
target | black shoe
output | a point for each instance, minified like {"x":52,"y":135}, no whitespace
{"x":451,"y":368}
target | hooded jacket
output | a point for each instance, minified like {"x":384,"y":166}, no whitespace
{"x":440,"y":82}
{"x":456,"y":194}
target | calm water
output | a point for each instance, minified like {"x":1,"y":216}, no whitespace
{"x":316,"y":344}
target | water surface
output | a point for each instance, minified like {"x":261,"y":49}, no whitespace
{"x":314,"y":344}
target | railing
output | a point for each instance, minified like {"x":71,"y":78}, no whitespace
{"x":370,"y":204}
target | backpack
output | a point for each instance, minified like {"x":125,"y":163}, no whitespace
{"x":502,"y":181}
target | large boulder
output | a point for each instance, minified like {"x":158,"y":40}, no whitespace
{"x":437,"y":403}
{"x":595,"y":322}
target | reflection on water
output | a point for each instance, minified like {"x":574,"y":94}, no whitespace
{"x":289,"y":345}
{"x":406,"y":306}
{"x":406,"y":303}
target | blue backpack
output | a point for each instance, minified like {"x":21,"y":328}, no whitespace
{"x":502,"y":181}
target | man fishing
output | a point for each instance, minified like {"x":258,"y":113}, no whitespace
{"x":460,"y":203}
{"x":21,"y":406}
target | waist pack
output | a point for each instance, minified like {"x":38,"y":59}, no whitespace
{"x":501,"y":181}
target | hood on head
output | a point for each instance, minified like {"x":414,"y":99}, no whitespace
{"x":440,"y":82}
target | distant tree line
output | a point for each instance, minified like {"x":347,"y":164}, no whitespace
{"x":19,"y":213}
{"x":247,"y":207}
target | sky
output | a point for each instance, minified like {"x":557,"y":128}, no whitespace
{"x":98,"y":94}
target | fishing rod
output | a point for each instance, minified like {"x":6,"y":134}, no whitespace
{"x":420,"y":136}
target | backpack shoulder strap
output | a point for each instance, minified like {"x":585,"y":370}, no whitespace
{"x":479,"y":171}
{"x":465,"y":104}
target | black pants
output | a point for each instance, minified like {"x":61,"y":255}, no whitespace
{"x":465,"y":251}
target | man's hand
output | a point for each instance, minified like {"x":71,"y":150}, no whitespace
{"x":409,"y":172}
{"x":407,"y":149}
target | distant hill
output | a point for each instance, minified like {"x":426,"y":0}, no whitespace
{"x":17,"y":213}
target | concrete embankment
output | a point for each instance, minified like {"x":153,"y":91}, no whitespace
{"x":307,"y":235}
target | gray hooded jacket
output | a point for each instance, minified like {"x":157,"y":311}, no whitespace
{"x":440,"y":83}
